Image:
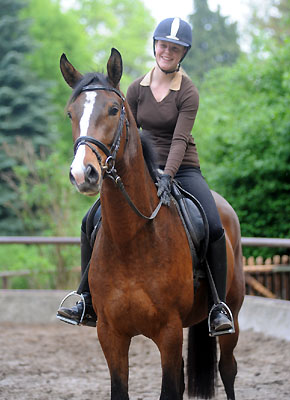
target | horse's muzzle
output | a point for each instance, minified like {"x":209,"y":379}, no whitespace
{"x":90,"y":182}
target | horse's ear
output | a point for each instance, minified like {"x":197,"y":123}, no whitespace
{"x":115,"y":67}
{"x":70,"y":74}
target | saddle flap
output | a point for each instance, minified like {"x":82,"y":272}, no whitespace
{"x":194,"y":218}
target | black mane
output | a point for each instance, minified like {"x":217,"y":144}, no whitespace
{"x":92,"y":78}
{"x":149,"y":156}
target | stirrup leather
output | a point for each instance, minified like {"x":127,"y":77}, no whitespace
{"x":68,"y":320}
{"x":228,"y":313}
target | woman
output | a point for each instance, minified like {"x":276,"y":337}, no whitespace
{"x":164,"y":103}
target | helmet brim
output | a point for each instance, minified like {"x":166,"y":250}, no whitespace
{"x":165,"y":39}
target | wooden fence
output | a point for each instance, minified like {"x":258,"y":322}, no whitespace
{"x":268,"y":278}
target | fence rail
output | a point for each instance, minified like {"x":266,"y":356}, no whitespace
{"x":246,"y":241}
{"x":265,"y":242}
{"x":39,"y":240}
{"x":269,"y":278}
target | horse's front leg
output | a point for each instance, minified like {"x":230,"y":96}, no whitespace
{"x":116,"y":347}
{"x":169,"y":342}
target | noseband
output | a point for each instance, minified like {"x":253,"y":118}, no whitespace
{"x":109,"y":167}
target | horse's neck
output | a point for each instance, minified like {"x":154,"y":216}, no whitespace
{"x":117,"y":215}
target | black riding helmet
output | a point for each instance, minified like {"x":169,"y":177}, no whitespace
{"x":174,"y":30}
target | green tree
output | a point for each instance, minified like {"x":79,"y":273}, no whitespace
{"x":66,"y":35}
{"x":123,"y":24}
{"x":273,"y":23}
{"x":25,"y":107}
{"x":73,"y":32}
{"x":86,"y":36}
{"x":47,"y":204}
{"x":214,"y":42}
{"x":243,"y":133}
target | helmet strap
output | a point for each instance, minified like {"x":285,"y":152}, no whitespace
{"x":169,"y":72}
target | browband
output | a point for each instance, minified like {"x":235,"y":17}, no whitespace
{"x":98,"y":87}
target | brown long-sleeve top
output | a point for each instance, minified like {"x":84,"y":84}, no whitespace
{"x":168,"y":122}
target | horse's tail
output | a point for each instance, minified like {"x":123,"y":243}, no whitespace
{"x":201,"y":362}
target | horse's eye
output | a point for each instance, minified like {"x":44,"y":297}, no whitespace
{"x":113,"y":110}
{"x":69,"y":115}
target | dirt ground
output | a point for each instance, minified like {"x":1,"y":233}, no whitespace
{"x":62,"y":362}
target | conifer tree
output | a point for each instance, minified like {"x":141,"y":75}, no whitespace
{"x":214,"y":42}
{"x":24,"y":103}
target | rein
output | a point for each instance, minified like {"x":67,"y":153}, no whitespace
{"x":111,"y":154}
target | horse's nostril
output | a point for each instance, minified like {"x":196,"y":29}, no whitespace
{"x":91,"y":174}
{"x":72,"y":179}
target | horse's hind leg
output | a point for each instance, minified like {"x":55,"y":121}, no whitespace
{"x":116,"y":349}
{"x":227,"y":363}
{"x":169,"y":342}
{"x":182,"y":382}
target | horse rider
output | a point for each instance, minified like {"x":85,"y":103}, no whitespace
{"x":164,"y":103}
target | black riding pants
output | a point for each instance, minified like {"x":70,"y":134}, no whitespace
{"x":193,"y":182}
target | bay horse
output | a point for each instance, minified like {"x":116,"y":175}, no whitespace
{"x":141,"y":276}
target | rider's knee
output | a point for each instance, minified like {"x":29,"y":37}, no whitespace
{"x":215,"y":233}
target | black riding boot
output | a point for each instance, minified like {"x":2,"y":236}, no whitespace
{"x":220,"y":316}
{"x":74,"y":314}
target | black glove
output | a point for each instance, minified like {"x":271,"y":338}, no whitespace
{"x":164,"y":189}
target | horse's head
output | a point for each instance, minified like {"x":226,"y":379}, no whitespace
{"x":96,"y":109}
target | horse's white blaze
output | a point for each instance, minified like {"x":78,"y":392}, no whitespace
{"x":88,"y":109}
{"x":77,"y":167}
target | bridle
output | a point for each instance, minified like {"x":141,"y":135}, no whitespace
{"x":111,"y":153}
{"x":109,"y":167}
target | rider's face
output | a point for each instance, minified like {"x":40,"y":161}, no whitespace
{"x":168,"y":54}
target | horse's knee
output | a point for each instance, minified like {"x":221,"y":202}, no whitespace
{"x":169,"y":341}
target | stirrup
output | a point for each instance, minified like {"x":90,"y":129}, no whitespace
{"x":228,"y":313}
{"x":68,"y":320}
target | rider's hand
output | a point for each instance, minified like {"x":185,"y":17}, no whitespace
{"x":164,"y":189}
